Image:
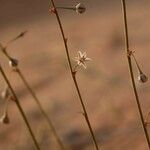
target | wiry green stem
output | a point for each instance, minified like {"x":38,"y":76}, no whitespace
{"x":74,"y":77}
{"x":131,"y":72}
{"x":20,"y":108}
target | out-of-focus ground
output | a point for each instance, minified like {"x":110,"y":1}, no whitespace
{"x":105,"y":85}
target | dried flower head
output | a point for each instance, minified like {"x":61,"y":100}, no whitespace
{"x":5,"y":119}
{"x":13,"y":63}
{"x":80,"y":8}
{"x":142,"y":78}
{"x":81,"y":59}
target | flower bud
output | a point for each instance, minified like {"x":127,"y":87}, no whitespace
{"x":5,"y":119}
{"x":6,"y":93}
{"x":80,"y":8}
{"x":13,"y":63}
{"x":142,"y":78}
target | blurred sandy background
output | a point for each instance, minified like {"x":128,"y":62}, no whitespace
{"x":105,"y":84}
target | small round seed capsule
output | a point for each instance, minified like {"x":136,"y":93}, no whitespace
{"x":5,"y":119}
{"x":80,"y":8}
{"x":142,"y":78}
{"x":13,"y":63}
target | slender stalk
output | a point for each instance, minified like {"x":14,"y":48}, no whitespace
{"x":22,"y":34}
{"x":132,"y":74}
{"x":146,"y":119}
{"x":20,"y":108}
{"x":70,"y":8}
{"x":42,"y":110}
{"x":52,"y":129}
{"x":73,"y":74}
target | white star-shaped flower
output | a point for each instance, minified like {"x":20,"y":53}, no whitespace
{"x":81,"y":59}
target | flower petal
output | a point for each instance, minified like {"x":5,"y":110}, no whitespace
{"x":88,"y":59}
{"x":84,"y":65}
{"x":84,"y":55}
{"x":79,"y":54}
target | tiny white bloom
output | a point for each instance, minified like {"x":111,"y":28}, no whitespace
{"x":81,"y":59}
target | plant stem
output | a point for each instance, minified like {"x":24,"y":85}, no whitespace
{"x":73,"y":74}
{"x":146,"y":119}
{"x":52,"y":129}
{"x":138,"y":67}
{"x":132,"y":74}
{"x":70,"y":8}
{"x":20,"y":108}
{"x":41,"y":109}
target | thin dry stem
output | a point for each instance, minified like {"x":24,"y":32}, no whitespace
{"x":146,"y":119}
{"x":20,"y":108}
{"x":74,"y":77}
{"x":139,"y":69}
{"x":22,"y":34}
{"x":70,"y":8}
{"x":42,"y":110}
{"x":52,"y":128}
{"x":131,"y":72}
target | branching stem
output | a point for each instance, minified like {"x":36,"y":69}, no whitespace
{"x":52,"y":128}
{"x":131,"y":72}
{"x":42,"y":110}
{"x":74,"y":77}
{"x":20,"y":108}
